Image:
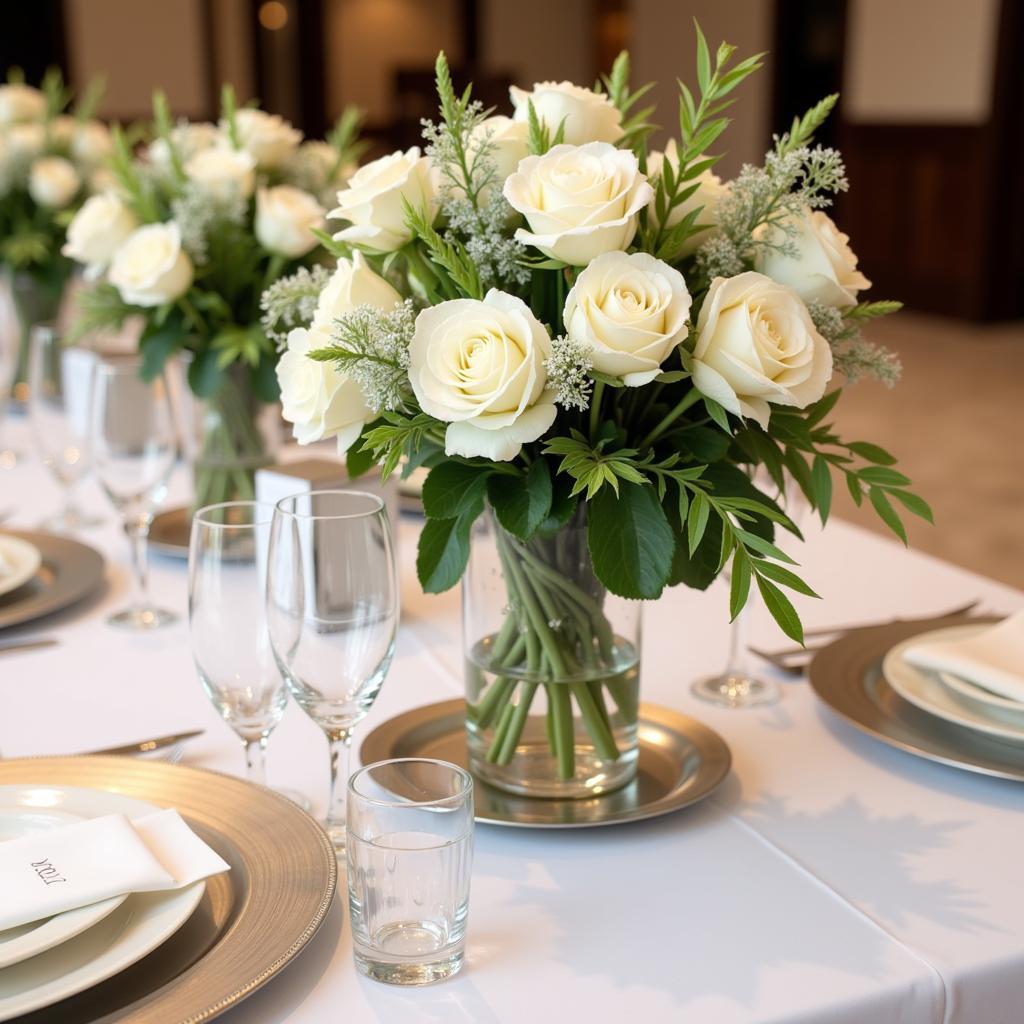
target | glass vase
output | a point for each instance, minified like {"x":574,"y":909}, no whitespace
{"x":36,"y":299}
{"x":552,"y":665}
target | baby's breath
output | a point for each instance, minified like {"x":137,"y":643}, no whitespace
{"x":197,"y":212}
{"x":852,"y":355}
{"x":291,"y":302}
{"x":568,"y":369}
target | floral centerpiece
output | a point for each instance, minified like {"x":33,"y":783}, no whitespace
{"x":49,"y":162}
{"x":592,"y":347}
{"x":189,"y":236}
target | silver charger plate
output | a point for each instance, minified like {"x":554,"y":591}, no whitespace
{"x":69,"y":572}
{"x":681,"y":761}
{"x":847,"y":676}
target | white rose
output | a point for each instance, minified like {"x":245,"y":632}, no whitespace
{"x":91,"y":143}
{"x":285,"y":218}
{"x":579,"y":201}
{"x":102,"y":224}
{"x":319,"y":401}
{"x":588,"y":116}
{"x":53,"y":181}
{"x":269,"y":138}
{"x":630,"y":311}
{"x":509,"y":143}
{"x":223,"y":173}
{"x":479,"y":366}
{"x":151,"y":267}
{"x":710,"y":191}
{"x":373,"y":200}
{"x":103,"y":179}
{"x":19,"y":103}
{"x":188,"y":139}
{"x":26,"y":140}
{"x":62,"y":129}
{"x":353,"y":284}
{"x":824,"y":269}
{"x":756,"y":345}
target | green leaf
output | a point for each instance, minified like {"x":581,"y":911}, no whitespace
{"x":204,"y":374}
{"x":606,"y":378}
{"x":781,"y":609}
{"x":914,"y":503}
{"x":631,"y":542}
{"x":872,"y":310}
{"x":522,"y":503}
{"x":718,"y":414}
{"x":872,"y":453}
{"x":264,"y":380}
{"x":672,"y":376}
{"x":816,"y":413}
{"x":563,"y":505}
{"x":853,"y":486}
{"x":703,"y":443}
{"x":762,"y":546}
{"x":887,"y":513}
{"x":884,"y":476}
{"x":358,"y":461}
{"x":157,"y":346}
{"x":739,"y":586}
{"x":443,"y":551}
{"x":821,"y":478}
{"x":703,"y":59}
{"x":782,"y":575}
{"x":697,"y":520}
{"x":452,"y":488}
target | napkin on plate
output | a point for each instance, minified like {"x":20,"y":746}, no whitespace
{"x":61,"y":869}
{"x":993,"y":658}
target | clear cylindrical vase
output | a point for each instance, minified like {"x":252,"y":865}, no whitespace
{"x":552,"y":665}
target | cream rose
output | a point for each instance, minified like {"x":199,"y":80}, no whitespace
{"x":97,"y":230}
{"x":756,"y":345}
{"x":53,"y":181}
{"x":223,"y":173}
{"x":630,"y":311}
{"x":353,"y":284}
{"x":588,"y":116}
{"x":579,"y":201}
{"x":26,"y":140}
{"x":91,"y":143}
{"x":188,"y":138}
{"x":825,"y":267}
{"x":316,"y":399}
{"x":270,"y":139}
{"x":373,"y":200}
{"x":710,"y":191}
{"x":20,"y":102}
{"x":151,"y":267}
{"x":509,"y":143}
{"x":285,"y":218}
{"x":479,"y":366}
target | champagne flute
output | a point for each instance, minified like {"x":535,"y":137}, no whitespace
{"x":58,"y":407}
{"x":133,"y":441}
{"x":332,"y":611}
{"x":227,"y":574}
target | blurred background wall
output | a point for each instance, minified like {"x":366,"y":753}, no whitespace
{"x":929,"y":117}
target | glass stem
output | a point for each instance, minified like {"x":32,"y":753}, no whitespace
{"x":70,"y":513}
{"x":738,"y":652}
{"x":138,"y":534}
{"x":256,"y":759}
{"x":340,"y":743}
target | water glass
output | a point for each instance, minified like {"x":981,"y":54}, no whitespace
{"x":134,"y":444}
{"x":410,"y":855}
{"x":59,"y":378}
{"x":332,"y":611}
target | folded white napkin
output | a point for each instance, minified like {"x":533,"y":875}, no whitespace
{"x":49,"y":872}
{"x":993,"y":658}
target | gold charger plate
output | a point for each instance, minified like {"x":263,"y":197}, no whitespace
{"x":169,"y":532}
{"x":69,"y":572}
{"x":252,"y":921}
{"x":847,"y":676}
{"x":681,"y":761}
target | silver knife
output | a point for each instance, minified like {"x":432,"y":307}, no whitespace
{"x":146,"y":746}
{"x":28,"y":645}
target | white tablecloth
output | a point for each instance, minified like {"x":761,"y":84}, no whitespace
{"x":831,"y":879}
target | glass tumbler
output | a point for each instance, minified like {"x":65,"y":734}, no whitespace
{"x":410,"y":853}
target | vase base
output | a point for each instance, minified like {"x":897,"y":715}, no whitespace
{"x":735,"y":691}
{"x":142,"y":619}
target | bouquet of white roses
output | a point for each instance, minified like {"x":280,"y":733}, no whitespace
{"x":188,"y":237}
{"x":596,"y":345}
{"x":49,"y":162}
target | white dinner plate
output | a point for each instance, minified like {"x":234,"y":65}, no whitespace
{"x":925,"y":690}
{"x":19,"y":562}
{"x":979,"y":695}
{"x":17,"y":944}
{"x":138,"y":926}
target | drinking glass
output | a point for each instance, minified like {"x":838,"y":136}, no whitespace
{"x":332,"y":611}
{"x":133,"y":441}
{"x":58,"y":407}
{"x":410,"y":853}
{"x":8,"y":360}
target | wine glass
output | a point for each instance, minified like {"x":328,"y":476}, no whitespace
{"x":58,"y":407}
{"x":227,"y":584}
{"x":332,"y":611}
{"x":8,"y":359}
{"x":737,"y":685}
{"x":133,"y":441}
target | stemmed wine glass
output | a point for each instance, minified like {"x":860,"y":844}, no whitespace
{"x":227,"y":584}
{"x":58,"y":408}
{"x":737,"y":685}
{"x":332,"y":611}
{"x":134,"y":443}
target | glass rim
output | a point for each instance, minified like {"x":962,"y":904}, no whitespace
{"x":200,"y":515}
{"x":50,"y":326}
{"x":442,"y":801}
{"x":376,"y":499}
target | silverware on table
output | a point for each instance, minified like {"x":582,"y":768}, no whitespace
{"x":28,"y":645}
{"x":148,"y":746}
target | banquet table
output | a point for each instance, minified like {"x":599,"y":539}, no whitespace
{"x":830,"y":879}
